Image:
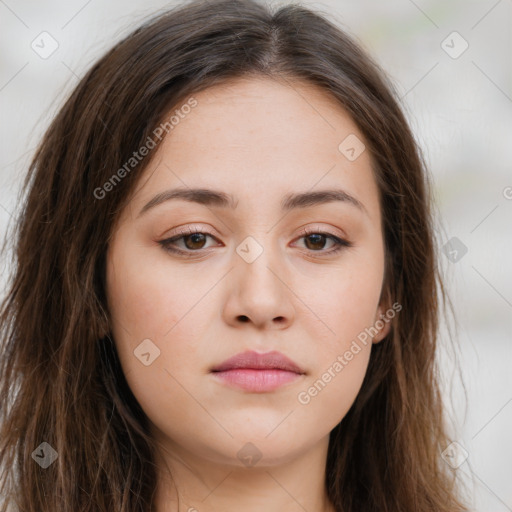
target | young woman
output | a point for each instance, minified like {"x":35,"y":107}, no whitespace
{"x":226,"y":288}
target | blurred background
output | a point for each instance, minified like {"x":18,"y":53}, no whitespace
{"x":451,"y":63}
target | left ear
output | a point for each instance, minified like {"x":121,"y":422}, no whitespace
{"x":382,"y":321}
{"x":383,"y":324}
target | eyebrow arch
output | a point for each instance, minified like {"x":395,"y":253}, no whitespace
{"x":220,"y":199}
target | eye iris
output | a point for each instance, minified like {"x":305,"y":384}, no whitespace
{"x":317,"y":239}
{"x":197,"y":238}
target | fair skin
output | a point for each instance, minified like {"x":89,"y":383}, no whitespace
{"x":259,"y":141}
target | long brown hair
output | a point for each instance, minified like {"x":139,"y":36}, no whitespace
{"x":60,"y":377}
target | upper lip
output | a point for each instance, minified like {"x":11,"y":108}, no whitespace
{"x":255,"y":361}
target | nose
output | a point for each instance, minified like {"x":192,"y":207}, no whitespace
{"x":259,"y":293}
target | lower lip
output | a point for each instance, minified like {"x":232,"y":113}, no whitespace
{"x":257,"y":381}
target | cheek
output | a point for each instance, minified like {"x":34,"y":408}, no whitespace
{"x":149,"y":300}
{"x":348,"y":300}
{"x":330,"y":393}
{"x":342,"y":356}
{"x":348,"y":307}
{"x":145,"y":303}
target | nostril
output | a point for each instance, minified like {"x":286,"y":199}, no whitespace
{"x":243,"y":318}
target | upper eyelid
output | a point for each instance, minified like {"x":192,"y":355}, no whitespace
{"x":192,"y":229}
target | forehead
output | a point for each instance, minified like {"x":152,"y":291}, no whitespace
{"x":263,"y":139}
{"x":248,"y":111}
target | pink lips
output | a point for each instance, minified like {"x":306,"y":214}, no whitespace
{"x":257,"y":373}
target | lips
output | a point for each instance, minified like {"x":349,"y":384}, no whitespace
{"x":257,"y":373}
{"x":253,"y":361}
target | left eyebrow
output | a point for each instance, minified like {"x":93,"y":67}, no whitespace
{"x":216,"y":198}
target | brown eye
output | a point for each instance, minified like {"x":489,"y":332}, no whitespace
{"x":316,"y":241}
{"x":186,"y":243}
{"x":194,"y":241}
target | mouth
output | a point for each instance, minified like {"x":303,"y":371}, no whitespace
{"x":257,"y":373}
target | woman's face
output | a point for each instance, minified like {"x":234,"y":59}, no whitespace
{"x":251,"y":280}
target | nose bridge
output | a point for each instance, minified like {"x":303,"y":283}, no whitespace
{"x":259,"y":263}
{"x":260,"y":292}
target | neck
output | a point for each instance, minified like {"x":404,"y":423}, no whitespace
{"x":190,"y":483}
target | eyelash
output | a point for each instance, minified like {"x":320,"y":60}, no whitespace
{"x":340,"y":243}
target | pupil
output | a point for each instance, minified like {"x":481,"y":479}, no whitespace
{"x":195,"y":240}
{"x":316,"y":238}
